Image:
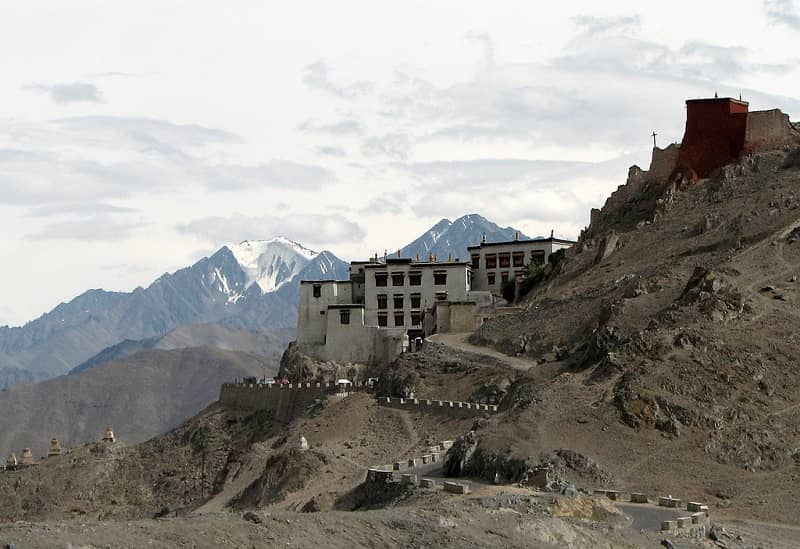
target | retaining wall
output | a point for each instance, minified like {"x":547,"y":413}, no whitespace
{"x":284,"y":401}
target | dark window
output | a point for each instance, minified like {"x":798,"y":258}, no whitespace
{"x":519,"y":259}
{"x":476,"y":261}
{"x":490,"y":278}
{"x":344,"y":316}
{"x":415,"y":301}
{"x":383,"y":320}
{"x":440,"y":278}
{"x":398,"y":301}
{"x":381,"y":279}
{"x":317,"y":290}
{"x":398,"y":279}
{"x":416,"y":318}
{"x":441,"y":296}
{"x":322,"y":312}
{"x":504,"y":277}
{"x":415,"y":278}
{"x":537,"y":257}
{"x":505,"y":261}
{"x":382,"y":301}
{"x":399,"y":319}
{"x":491,"y":261}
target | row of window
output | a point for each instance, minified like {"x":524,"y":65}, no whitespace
{"x":400,"y":319}
{"x":383,"y":318}
{"x":398,"y":300}
{"x":491,"y":277}
{"x":414,"y":278}
{"x":507,"y":259}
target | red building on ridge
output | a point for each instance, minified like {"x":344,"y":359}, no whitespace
{"x":715,"y":135}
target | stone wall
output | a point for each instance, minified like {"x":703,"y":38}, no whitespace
{"x":768,"y":130}
{"x":284,"y":401}
{"x":663,"y":163}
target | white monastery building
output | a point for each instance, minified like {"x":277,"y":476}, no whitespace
{"x":389,"y":303}
{"x":494,"y":263}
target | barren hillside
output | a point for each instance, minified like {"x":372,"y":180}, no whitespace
{"x":140,"y":396}
{"x":674,"y":344}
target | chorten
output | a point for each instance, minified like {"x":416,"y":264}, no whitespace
{"x":55,"y":448}
{"x":27,"y":457}
{"x":109,"y":436}
{"x":11,"y":462}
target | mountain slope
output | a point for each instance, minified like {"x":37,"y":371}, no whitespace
{"x":140,"y":396}
{"x":665,"y":344}
{"x":453,"y":237}
{"x":216,"y":289}
{"x":267,"y":345}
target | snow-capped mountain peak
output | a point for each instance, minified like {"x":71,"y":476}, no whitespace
{"x":271,"y":263}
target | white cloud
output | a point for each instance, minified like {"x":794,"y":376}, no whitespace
{"x":100,"y":227}
{"x":310,"y":229}
{"x":74,"y":92}
{"x":783,"y":12}
{"x":342,"y":127}
{"x":316,"y":77}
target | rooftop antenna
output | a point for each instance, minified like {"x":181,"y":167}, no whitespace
{"x":654,"y":138}
{"x":715,"y":95}
{"x":385,"y":254}
{"x":740,"y":96}
{"x":516,"y":236}
{"x":399,"y":252}
{"x":551,"y":233}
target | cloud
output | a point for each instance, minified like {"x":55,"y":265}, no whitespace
{"x":396,"y":146}
{"x":145,"y":134}
{"x":331,"y":151}
{"x":541,"y":192}
{"x":99,"y":227}
{"x":478,"y":173}
{"x":596,"y":95}
{"x":316,"y":77}
{"x":391,"y":203}
{"x":342,"y":127}
{"x":75,"y":92}
{"x":603,"y":26}
{"x":99,"y":159}
{"x":782,"y":12}
{"x":275,"y":173}
{"x":309,"y":229}
{"x":78,"y":208}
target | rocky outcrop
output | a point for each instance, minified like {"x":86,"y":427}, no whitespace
{"x":297,"y":366}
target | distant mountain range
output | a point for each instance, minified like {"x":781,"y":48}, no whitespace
{"x":451,"y":238}
{"x":251,"y":287}
{"x":267,"y":345}
{"x":139,"y":396}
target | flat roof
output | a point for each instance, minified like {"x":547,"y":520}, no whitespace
{"x":419,"y":264}
{"x":718,"y":100}
{"x":326,"y":281}
{"x":529,"y":241}
{"x":346,"y":306}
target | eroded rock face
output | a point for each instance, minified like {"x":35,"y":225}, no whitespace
{"x":458,"y":457}
{"x":296,"y":366}
{"x":713,"y":295}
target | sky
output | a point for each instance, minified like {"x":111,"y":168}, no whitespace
{"x":138,"y":137}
